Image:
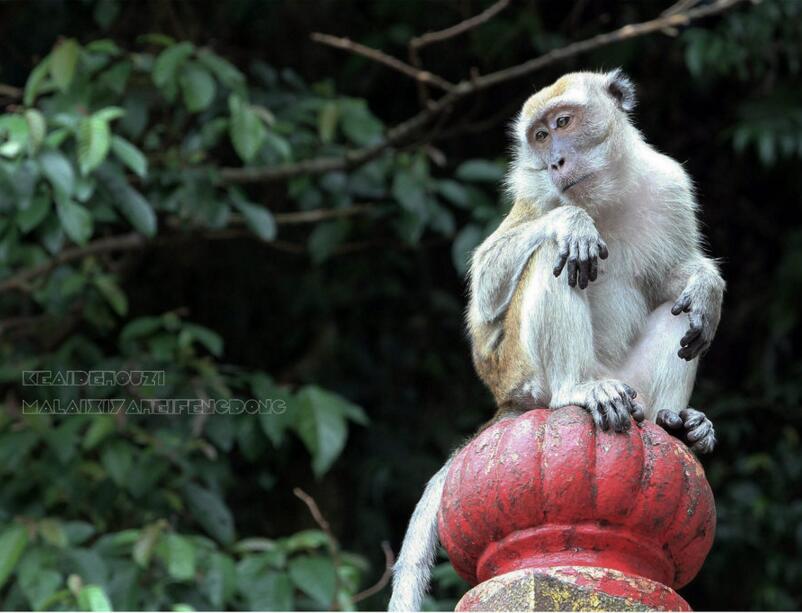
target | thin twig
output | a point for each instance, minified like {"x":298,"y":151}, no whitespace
{"x":460,"y":28}
{"x":9,"y":91}
{"x":333,"y":544}
{"x":125,"y":242}
{"x":463,"y":89}
{"x":422,"y":76}
{"x":389,"y":560}
{"x":317,"y":215}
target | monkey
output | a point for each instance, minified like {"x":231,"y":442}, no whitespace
{"x":577,"y":297}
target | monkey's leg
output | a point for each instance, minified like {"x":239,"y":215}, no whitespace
{"x":557,"y":333}
{"x":665,"y":381}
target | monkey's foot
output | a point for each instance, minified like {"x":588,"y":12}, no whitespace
{"x":692,"y":427}
{"x":610,"y":403}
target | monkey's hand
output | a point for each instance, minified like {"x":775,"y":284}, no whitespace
{"x":580,"y":247}
{"x":610,"y":403}
{"x":692,"y":427}
{"x":703,"y":306}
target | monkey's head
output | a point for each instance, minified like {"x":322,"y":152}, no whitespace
{"x":576,"y":132}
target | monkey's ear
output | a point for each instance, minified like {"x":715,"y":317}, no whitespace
{"x":622,"y":89}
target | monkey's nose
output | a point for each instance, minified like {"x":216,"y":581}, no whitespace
{"x":559,"y":164}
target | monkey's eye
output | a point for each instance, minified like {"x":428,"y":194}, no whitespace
{"x":563,"y":121}
{"x":541,"y":135}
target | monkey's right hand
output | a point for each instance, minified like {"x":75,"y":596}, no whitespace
{"x":580,"y":247}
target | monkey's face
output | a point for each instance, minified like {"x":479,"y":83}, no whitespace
{"x":571,"y":132}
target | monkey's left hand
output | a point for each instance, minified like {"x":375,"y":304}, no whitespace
{"x":703,"y":313}
{"x":692,"y":427}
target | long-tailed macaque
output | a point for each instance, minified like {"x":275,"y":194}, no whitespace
{"x":594,"y":291}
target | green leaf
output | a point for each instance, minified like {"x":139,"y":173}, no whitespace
{"x":321,"y":426}
{"x":116,"y":77}
{"x":466,"y":241}
{"x":168,"y":62}
{"x":226,"y":73}
{"x":94,"y":141}
{"x":453,"y":192}
{"x":480,"y":171}
{"x":325,"y":239}
{"x":13,"y":541}
{"x":110,"y":113}
{"x":180,"y":557}
{"x":409,"y":190}
{"x":117,"y":458}
{"x":52,"y":532}
{"x":211,"y":512}
{"x":197,"y":86}
{"x":359,"y":124}
{"x":14,"y":132}
{"x":36,"y":80}
{"x":327,"y":121}
{"x":130,"y":155}
{"x":257,"y":218}
{"x":220,"y":581}
{"x":37,"y":129}
{"x":63,"y":61}
{"x":245,"y":128}
{"x":75,"y":219}
{"x":129,"y":201}
{"x":144,"y":543}
{"x":93,"y":598}
{"x":208,"y":338}
{"x":30,"y":218}
{"x":112,"y":293}
{"x":316,"y":577}
{"x":58,"y":171}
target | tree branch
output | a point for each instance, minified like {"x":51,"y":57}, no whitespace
{"x":463,"y":26}
{"x":389,"y":560}
{"x":463,"y":89}
{"x":422,"y":76}
{"x":9,"y":91}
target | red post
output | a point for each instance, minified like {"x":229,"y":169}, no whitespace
{"x":544,"y":512}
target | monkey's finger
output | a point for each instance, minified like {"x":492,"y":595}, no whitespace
{"x":691,"y":418}
{"x":638,"y":412}
{"x":584,"y":265}
{"x":561,"y":259}
{"x":594,"y":268}
{"x":696,"y":347}
{"x":683,"y":304}
{"x":603,"y":252}
{"x":691,"y":335}
{"x":699,"y":432}
{"x":669,"y":420}
{"x":572,"y":270}
{"x":622,"y":412}
{"x":630,"y":391}
{"x":706,"y":445}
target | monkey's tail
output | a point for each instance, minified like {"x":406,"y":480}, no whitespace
{"x":413,"y":570}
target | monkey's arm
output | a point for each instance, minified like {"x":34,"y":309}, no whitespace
{"x":500,"y":260}
{"x":698,"y":290}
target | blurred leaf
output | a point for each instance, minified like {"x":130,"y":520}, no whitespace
{"x":94,"y":141}
{"x":245,"y":128}
{"x":93,"y":598}
{"x":180,"y":557}
{"x":130,"y":155}
{"x":258,"y":218}
{"x":37,"y":129}
{"x":211,"y":513}
{"x":130,"y":202}
{"x":315,"y":576}
{"x":75,"y":219}
{"x":480,"y":171}
{"x":58,"y":171}
{"x":197,"y":86}
{"x":168,"y":62}
{"x":13,"y":541}
{"x":112,"y":293}
{"x":321,"y":425}
{"x":63,"y":61}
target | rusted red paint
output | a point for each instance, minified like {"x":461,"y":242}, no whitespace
{"x":547,"y":489}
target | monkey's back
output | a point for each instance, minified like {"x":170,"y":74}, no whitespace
{"x":507,"y":368}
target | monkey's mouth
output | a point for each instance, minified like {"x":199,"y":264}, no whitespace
{"x":577,"y":182}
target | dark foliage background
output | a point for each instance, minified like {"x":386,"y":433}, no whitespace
{"x":356,"y":321}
